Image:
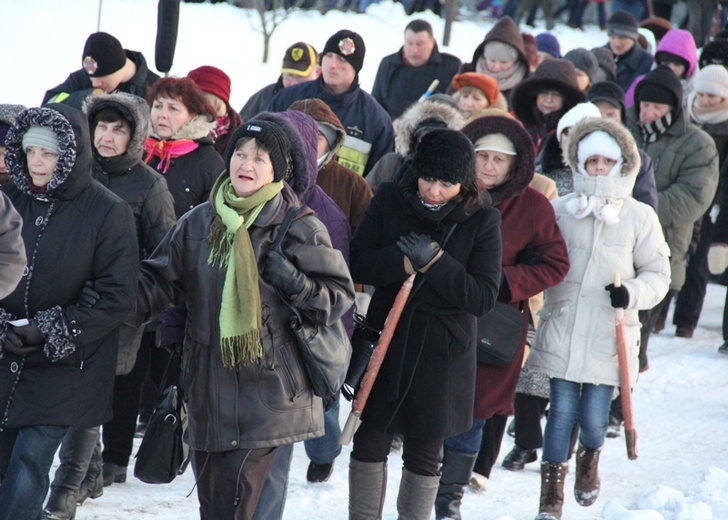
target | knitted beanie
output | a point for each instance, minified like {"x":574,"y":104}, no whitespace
{"x":483,"y":82}
{"x":607,"y":67}
{"x":299,"y":60}
{"x":623,"y":23}
{"x":446,"y":155}
{"x":42,"y":137}
{"x":584,"y":60}
{"x":273,"y":139}
{"x":213,"y":81}
{"x":102,"y":55}
{"x":548,"y":43}
{"x":349,"y":45}
{"x":578,"y":113}
{"x":660,"y":85}
{"x":714,"y":53}
{"x":607,"y":91}
{"x":713,"y":79}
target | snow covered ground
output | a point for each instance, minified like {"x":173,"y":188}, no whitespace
{"x":681,"y":403}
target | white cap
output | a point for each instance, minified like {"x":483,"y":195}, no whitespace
{"x":577,"y":113}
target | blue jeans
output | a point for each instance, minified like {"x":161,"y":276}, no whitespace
{"x":469,"y":441}
{"x":25,"y":483}
{"x":571,"y":401}
{"x":635,"y":7}
{"x":323,"y":450}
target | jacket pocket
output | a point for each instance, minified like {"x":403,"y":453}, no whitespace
{"x":291,"y":371}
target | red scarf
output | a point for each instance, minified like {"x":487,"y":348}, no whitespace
{"x":167,"y":150}
{"x":222,"y":126}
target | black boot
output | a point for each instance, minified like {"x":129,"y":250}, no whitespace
{"x":517,"y":459}
{"x":75,"y":454}
{"x":454,"y":476}
{"x":93,"y":484}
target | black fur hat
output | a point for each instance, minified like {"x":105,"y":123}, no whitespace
{"x":714,"y":53}
{"x":446,"y":155}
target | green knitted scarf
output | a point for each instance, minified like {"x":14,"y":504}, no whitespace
{"x":240,"y":309}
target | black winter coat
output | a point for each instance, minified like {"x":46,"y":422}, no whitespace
{"x":426,"y":385}
{"x":78,"y":231}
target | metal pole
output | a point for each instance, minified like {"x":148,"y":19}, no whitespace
{"x":98,"y":20}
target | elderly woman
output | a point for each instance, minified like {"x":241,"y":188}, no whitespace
{"x":534,"y":258}
{"x":245,"y":385}
{"x":432,"y":222}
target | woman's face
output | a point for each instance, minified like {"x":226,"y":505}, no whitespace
{"x":250,"y":169}
{"x":472,"y":101}
{"x":582,"y":79}
{"x":41,"y":165}
{"x":549,"y":101}
{"x":168,"y":116}
{"x":492,"y":168}
{"x":709,"y":100}
{"x":434,"y":191}
{"x":496,"y":66}
{"x":599,"y":165}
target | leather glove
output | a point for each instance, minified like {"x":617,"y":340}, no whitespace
{"x":528,"y":256}
{"x":279,"y":272}
{"x":718,"y":258}
{"x":13,"y":343}
{"x":618,"y":295}
{"x":88,"y":297}
{"x":420,"y":249}
{"x":30,"y":334}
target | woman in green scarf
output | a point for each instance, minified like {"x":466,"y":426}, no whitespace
{"x":245,"y":386}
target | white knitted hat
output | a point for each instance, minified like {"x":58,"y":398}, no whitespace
{"x":577,"y":113}
{"x":599,"y":143}
{"x":712,"y":79}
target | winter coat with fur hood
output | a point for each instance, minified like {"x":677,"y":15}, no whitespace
{"x":411,"y":119}
{"x":77,"y":231}
{"x":575,"y":337}
{"x":527,"y":221}
{"x":270,"y":402}
{"x":347,"y":188}
{"x":190,"y":177}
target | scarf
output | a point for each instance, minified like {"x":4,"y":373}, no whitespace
{"x":240,"y":308}
{"x":506,"y":79}
{"x":604,"y":208}
{"x":167,"y":150}
{"x":707,"y":116}
{"x":222,"y":127}
{"x":431,"y":207}
{"x":653,"y":131}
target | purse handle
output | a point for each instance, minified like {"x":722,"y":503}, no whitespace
{"x":282,"y":230}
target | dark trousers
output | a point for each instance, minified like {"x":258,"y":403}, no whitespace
{"x":118,"y":433}
{"x":229,"y":482}
{"x":528,"y":411}
{"x":490,"y":445}
{"x":419,"y":456}
{"x":648,"y":319}
{"x":689,"y":303}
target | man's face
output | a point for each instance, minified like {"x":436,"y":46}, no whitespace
{"x":338,"y":73}
{"x":620,"y":44}
{"x":418,"y":47}
{"x":112,"y":139}
{"x":651,"y":112}
{"x":108,"y":83}
{"x":322,"y":146}
{"x":293,"y":79}
{"x":608,"y":110}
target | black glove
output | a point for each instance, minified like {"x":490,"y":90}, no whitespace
{"x":618,"y":295}
{"x":88,"y":297}
{"x":420,"y":249}
{"x":528,"y":256}
{"x":13,"y":343}
{"x":279,"y":272}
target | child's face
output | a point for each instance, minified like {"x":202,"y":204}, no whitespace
{"x":549,"y":101}
{"x":599,"y":165}
{"x":471,"y":101}
{"x":709,"y":100}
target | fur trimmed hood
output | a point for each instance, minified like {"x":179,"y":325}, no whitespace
{"x":196,"y":128}
{"x":416,"y":114}
{"x":523,"y":169}
{"x":630,"y":154}
{"x":134,"y":109}
{"x":73,"y":171}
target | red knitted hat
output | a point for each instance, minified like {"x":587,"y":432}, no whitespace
{"x":212,"y":80}
{"x":488,"y":85}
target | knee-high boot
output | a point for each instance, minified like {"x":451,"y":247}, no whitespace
{"x":454,"y":476}
{"x":93,"y":483}
{"x":367,"y":488}
{"x":416,"y":496}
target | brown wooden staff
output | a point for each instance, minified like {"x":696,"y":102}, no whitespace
{"x":630,"y":434}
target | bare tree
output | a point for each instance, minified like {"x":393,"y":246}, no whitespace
{"x":271,"y":14}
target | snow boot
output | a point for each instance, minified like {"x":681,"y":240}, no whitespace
{"x":454,"y":476}
{"x":586,"y":486}
{"x":416,"y":496}
{"x":552,"y":490}
{"x":367,"y":488}
{"x":93,"y":484}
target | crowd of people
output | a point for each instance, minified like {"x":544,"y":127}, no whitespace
{"x":139,"y":217}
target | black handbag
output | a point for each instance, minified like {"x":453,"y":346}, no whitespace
{"x":325,"y":349}
{"x":162,"y":454}
{"x":500,"y":334}
{"x":363,"y":341}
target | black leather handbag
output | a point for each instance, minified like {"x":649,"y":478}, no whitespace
{"x":325,"y":349}
{"x":363,"y":341}
{"x":500,"y":334}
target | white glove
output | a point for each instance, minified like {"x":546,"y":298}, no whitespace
{"x":718,"y":258}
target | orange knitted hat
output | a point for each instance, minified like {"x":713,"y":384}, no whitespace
{"x":483,"y":82}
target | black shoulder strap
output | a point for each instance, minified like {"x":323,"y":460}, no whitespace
{"x":283,"y":228}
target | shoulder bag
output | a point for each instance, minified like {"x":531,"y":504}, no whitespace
{"x":500,"y":334}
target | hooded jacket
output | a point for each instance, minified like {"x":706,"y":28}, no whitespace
{"x":527,"y":221}
{"x":369,"y":132}
{"x":575,"y":337}
{"x":77,"y":231}
{"x":263,"y":404}
{"x":348,"y":189}
{"x":78,"y":87}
